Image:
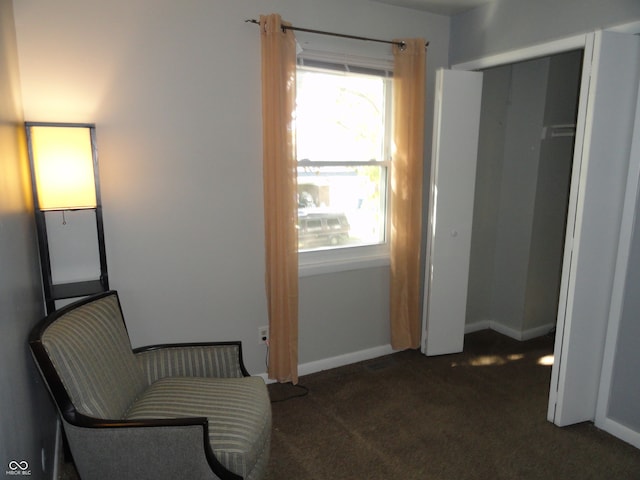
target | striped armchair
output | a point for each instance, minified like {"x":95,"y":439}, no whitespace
{"x":161,"y":412}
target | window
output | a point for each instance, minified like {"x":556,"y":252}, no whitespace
{"x":343,"y":150}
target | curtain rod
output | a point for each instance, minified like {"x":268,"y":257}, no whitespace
{"x":332,"y":34}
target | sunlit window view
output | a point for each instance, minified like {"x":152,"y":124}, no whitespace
{"x":343,"y":159}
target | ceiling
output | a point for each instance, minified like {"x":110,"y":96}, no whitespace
{"x":441,"y":7}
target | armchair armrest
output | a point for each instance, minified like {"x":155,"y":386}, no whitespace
{"x":214,"y":359}
{"x":168,"y":448}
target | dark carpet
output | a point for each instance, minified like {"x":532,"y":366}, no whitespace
{"x":476,"y":415}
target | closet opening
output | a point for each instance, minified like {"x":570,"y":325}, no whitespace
{"x":523,"y":178}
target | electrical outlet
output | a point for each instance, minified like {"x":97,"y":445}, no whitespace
{"x":263,"y":335}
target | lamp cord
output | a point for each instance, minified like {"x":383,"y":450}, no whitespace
{"x":303,"y":390}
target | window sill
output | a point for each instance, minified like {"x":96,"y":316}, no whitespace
{"x":341,"y":260}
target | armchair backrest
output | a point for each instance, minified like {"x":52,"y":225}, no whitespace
{"x":88,"y":347}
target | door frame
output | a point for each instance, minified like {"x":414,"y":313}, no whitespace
{"x":577,"y":42}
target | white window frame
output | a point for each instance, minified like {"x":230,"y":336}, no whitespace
{"x":331,"y":260}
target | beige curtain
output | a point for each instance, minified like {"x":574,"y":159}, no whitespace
{"x":280,"y":190}
{"x":406,"y":192}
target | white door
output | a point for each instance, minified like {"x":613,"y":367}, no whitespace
{"x":453,"y":175}
{"x":601,"y":163}
{"x":619,"y":395}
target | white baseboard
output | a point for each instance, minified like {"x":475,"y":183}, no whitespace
{"x":618,"y":430}
{"x":477,"y":326}
{"x":338,"y":361}
{"x":375,"y":352}
{"x":508,"y":331}
{"x":538,"y":331}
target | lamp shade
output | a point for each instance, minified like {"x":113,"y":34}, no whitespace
{"x":63,"y":166}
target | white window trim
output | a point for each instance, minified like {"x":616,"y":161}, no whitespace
{"x":320,"y":262}
{"x":382,"y":64}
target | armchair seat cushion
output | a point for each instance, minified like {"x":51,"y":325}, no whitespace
{"x":237,"y":409}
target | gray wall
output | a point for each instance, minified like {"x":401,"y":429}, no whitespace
{"x":521,"y":195}
{"x":552,"y":192}
{"x":506,"y":25}
{"x":27,"y":428}
{"x":174,"y":89}
{"x":495,"y":102}
{"x":518,"y":191}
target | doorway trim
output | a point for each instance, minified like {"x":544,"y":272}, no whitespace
{"x":577,"y":42}
{"x":574,"y":42}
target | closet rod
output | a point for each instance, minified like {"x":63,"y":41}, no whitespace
{"x":332,"y":34}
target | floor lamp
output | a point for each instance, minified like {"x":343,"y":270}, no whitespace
{"x":64,"y":178}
